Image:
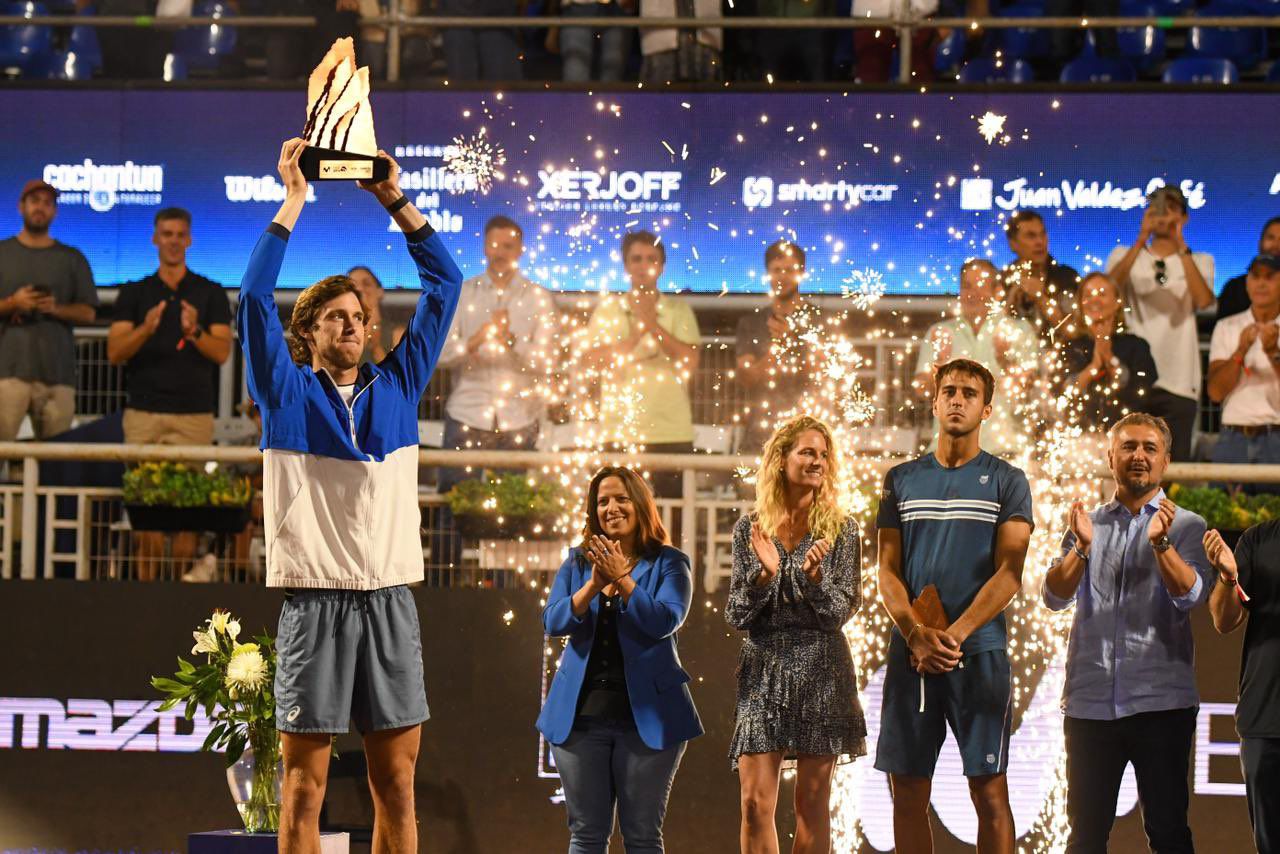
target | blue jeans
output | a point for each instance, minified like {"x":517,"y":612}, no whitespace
{"x":576,"y":43}
{"x":1233,"y":446}
{"x":603,"y":765}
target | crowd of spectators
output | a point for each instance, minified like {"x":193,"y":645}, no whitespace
{"x":1120,"y":339}
{"x":709,"y":52}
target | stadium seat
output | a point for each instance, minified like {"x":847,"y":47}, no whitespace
{"x":989,"y":70}
{"x":1244,"y":46}
{"x":1022,"y":42}
{"x":1273,"y":73}
{"x":205,"y":47}
{"x":1088,"y":68}
{"x":24,"y":46}
{"x":1143,"y":46}
{"x":1175,"y":8}
{"x":84,"y":43}
{"x":948,"y":55}
{"x":1199,"y":69}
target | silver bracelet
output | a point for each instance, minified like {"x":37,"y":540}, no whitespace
{"x":1075,"y":547}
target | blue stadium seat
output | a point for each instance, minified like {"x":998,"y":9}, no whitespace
{"x":1175,"y":8}
{"x":84,"y":43}
{"x":1143,"y":46}
{"x":990,"y":70}
{"x":949,"y":53}
{"x":24,"y":46}
{"x":205,"y":47}
{"x":1022,"y":42}
{"x":1245,"y":47}
{"x":1200,"y":69}
{"x":1088,"y":68}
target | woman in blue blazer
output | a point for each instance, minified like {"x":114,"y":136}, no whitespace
{"x":619,"y":712}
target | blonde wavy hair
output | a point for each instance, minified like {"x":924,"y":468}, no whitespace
{"x":826,"y":517}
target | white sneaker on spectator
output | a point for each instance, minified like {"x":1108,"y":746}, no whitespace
{"x":203,"y":570}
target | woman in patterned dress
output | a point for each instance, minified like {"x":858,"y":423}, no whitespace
{"x":796,"y":582}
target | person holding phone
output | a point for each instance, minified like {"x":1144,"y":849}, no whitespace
{"x":619,"y":713}
{"x":46,"y":289}
{"x":1164,"y":284}
{"x":796,"y":581}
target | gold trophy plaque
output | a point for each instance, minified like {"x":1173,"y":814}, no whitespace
{"x":339,"y":131}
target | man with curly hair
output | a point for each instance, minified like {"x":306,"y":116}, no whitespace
{"x":340,"y":497}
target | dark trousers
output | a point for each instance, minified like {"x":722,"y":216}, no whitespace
{"x":1180,"y":413}
{"x":446,"y":545}
{"x":1260,"y":758}
{"x":1159,"y":746}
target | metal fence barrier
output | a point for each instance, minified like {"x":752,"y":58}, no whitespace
{"x":84,"y":535}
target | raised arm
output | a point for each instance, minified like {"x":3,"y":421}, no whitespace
{"x":412,"y":360}
{"x":660,"y":615}
{"x":271,"y":374}
{"x":748,"y":597}
{"x":836,"y":595}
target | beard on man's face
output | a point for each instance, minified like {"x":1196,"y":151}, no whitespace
{"x":36,"y":225}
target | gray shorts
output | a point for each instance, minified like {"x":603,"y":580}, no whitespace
{"x":349,"y":655}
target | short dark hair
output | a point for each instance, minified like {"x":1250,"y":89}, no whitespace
{"x":173,"y":213}
{"x":372,"y":274}
{"x":1142,"y":419}
{"x":783,"y":249}
{"x":306,"y":312}
{"x":967,"y":367}
{"x":646,"y":237}
{"x":1015,"y":222}
{"x":1275,"y":220}
{"x":1170,"y":194}
{"x":504,"y":222}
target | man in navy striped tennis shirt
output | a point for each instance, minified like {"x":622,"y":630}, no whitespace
{"x":958,"y":519}
{"x":1134,"y":568}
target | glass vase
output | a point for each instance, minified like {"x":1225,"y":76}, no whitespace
{"x":255,"y":780}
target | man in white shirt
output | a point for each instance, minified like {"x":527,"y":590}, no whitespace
{"x":500,"y":350}
{"x":1243,"y":369}
{"x":984,"y":332}
{"x":1165,"y":284}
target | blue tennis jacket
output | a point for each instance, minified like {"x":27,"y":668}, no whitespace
{"x":656,"y":683}
{"x":340,"y":483}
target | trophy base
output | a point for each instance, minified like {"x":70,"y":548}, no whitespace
{"x":327,"y":164}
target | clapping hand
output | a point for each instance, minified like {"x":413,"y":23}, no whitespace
{"x":812,"y":566}
{"x":1081,"y":526}
{"x":151,"y":321}
{"x":1162,"y":521}
{"x":606,"y":559}
{"x":190,"y":319}
{"x":1224,"y":562}
{"x":767,"y":553}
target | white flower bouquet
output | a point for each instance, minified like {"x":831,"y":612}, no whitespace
{"x":235,"y":687}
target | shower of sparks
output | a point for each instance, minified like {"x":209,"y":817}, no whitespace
{"x":864,"y":288}
{"x":477,"y":158}
{"x":991,"y":126}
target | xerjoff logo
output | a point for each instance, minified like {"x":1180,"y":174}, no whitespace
{"x":976,"y":194}
{"x":757,"y":191}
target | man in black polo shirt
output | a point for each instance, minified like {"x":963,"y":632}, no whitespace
{"x":170,"y":331}
{"x":1249,"y":583}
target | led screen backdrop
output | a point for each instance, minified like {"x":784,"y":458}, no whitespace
{"x":904,"y":185}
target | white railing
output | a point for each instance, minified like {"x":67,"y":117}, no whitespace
{"x":703,"y":518}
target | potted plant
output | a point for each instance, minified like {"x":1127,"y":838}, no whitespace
{"x":1230,"y":514}
{"x":177,"y":497}
{"x":235,"y":687}
{"x":506,"y":507}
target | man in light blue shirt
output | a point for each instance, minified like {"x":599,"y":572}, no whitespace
{"x":1134,"y":568}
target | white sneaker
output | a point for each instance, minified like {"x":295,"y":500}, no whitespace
{"x":203,"y":570}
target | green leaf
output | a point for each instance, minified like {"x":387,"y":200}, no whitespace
{"x":169,"y":686}
{"x":212,"y":738}
{"x":185,"y":666}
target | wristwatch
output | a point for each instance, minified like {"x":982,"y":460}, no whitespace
{"x":195,"y":335}
{"x":1163,"y":544}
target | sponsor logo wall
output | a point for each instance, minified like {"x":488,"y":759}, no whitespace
{"x":902,"y":184}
